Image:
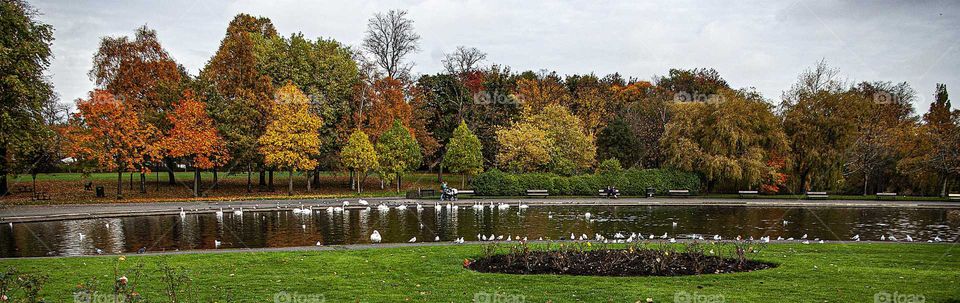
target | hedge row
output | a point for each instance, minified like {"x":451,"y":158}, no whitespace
{"x":632,"y":182}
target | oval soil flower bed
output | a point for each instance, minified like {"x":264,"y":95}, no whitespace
{"x":612,"y":262}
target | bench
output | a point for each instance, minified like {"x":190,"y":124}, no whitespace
{"x":678,"y":192}
{"x":887,"y":195}
{"x":952,"y":197}
{"x":465,"y":192}
{"x":817,"y":195}
{"x":604,"y":193}
{"x":745,"y":193}
{"x":24,"y":189}
{"x":537,"y":192}
{"x":40,"y":196}
{"x":426,"y":192}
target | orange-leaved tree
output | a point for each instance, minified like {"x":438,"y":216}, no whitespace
{"x":112,"y":134}
{"x":193,"y":136}
{"x":291,"y":140}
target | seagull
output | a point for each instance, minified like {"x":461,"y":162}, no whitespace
{"x":674,"y":224}
{"x":375,"y":237}
{"x":586,"y":216}
{"x":804,"y":236}
{"x":216,"y":243}
{"x":909,"y":238}
{"x":363,"y":202}
{"x":412,"y":240}
{"x":937,"y":239}
{"x":437,"y":238}
{"x":99,"y":251}
{"x":856,"y":238}
{"x":883,"y":238}
{"x":664,"y":236}
{"x":892,"y":238}
{"x":717,"y":237}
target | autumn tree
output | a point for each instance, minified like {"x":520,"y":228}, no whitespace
{"x":388,"y":104}
{"x":112,"y":134}
{"x":553,"y":140}
{"x":237,"y":92}
{"x":536,"y":91}
{"x":933,"y":150}
{"x":389,"y":39}
{"x":732,"y":140}
{"x":291,"y":139}
{"x":139,"y":72}
{"x":194,"y":137}
{"x":324,"y":70}
{"x":359,"y":156}
{"x":589,"y":99}
{"x":464,"y":153}
{"x":25,"y":46}
{"x":398,"y":153}
{"x":881,"y":126}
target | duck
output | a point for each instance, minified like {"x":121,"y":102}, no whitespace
{"x":375,"y":237}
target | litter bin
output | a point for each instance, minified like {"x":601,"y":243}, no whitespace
{"x":651,"y":191}
{"x":100,"y":192}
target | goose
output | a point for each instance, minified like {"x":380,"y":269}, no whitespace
{"x":524,"y":239}
{"x":524,"y":206}
{"x":402,"y":207}
{"x":346,"y":203}
{"x":651,"y":237}
{"x":483,"y":238}
{"x":363,"y":202}
{"x":504,"y":206}
{"x":479,"y":237}
{"x":790,"y":239}
{"x":572,"y":237}
{"x":765,"y":239}
{"x":216,"y":243}
{"x":500,"y":237}
{"x":779,"y":238}
{"x":458,"y":240}
{"x":540,"y":239}
{"x":583,"y":237}
{"x":412,"y":240}
{"x":375,"y":237}
{"x":821,"y":241}
{"x":909,"y":238}
{"x":507,"y":239}
{"x":618,"y":235}
{"x":491,"y":237}
{"x":856,"y":238}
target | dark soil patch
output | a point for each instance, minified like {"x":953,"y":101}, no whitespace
{"x":613,"y":262}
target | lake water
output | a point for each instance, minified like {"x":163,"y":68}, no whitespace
{"x":286,"y":228}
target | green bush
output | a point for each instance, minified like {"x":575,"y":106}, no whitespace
{"x":633,"y":182}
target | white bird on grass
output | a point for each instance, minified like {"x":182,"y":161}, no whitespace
{"x":806,"y":242}
{"x":883,"y":238}
{"x":821,"y":242}
{"x":375,"y":237}
{"x":318,"y":243}
{"x":935,"y":239}
{"x":779,"y":238}
{"x":672,"y":240}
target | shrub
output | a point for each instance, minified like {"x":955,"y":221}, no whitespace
{"x":611,"y":165}
{"x":629,"y":182}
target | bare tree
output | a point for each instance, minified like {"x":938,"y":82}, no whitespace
{"x":390,"y":38}
{"x":464,"y":59}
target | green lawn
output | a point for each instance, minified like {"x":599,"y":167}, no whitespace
{"x":807,"y":273}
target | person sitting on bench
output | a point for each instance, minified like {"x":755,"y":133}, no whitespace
{"x":612,"y":192}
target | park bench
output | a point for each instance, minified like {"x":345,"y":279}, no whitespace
{"x":24,"y":189}
{"x":40,"y":196}
{"x":426,"y":192}
{"x":604,"y":193}
{"x":892,"y":196}
{"x":817,"y":195}
{"x":953,"y":197}
{"x":679,"y":192}
{"x":748,"y":193}
{"x":537,"y":193}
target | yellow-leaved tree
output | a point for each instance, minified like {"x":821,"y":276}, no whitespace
{"x":291,"y":140}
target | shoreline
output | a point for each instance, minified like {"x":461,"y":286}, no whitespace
{"x":40,"y":213}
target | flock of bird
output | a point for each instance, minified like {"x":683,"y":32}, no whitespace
{"x":618,"y":237}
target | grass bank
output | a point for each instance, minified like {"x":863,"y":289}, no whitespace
{"x":806,"y":273}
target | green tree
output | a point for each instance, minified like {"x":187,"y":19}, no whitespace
{"x":464,"y":153}
{"x":25,"y":49}
{"x":398,"y":153}
{"x":552,"y":140}
{"x":291,"y":140}
{"x":359,"y":156}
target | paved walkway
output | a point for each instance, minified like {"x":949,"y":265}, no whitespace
{"x":17,"y":214}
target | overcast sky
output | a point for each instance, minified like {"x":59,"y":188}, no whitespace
{"x":762,"y":44}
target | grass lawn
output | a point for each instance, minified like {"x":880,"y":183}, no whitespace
{"x":806,"y":273}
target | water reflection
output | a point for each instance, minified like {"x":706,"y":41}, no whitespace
{"x":336,"y":226}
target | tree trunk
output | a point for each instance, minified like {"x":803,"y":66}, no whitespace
{"x":270,"y":180}
{"x":215,"y":177}
{"x":803,"y":182}
{"x":196,"y":181}
{"x":249,"y":179}
{"x":119,"y":184}
{"x":440,"y":173}
{"x":4,"y":189}
{"x":157,"y":174}
{"x":290,"y":178}
{"x":316,"y":175}
{"x":943,"y":189}
{"x":171,"y":177}
{"x":463,"y":183}
{"x":865,"y":177}
{"x":143,"y":183}
{"x":131,"y":181}
{"x":353,"y":181}
{"x":309,"y":180}
{"x":359,"y":181}
{"x":398,"y":182}
{"x":263,"y":178}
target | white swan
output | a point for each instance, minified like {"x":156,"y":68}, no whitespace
{"x":375,"y":237}
{"x":363,"y":202}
